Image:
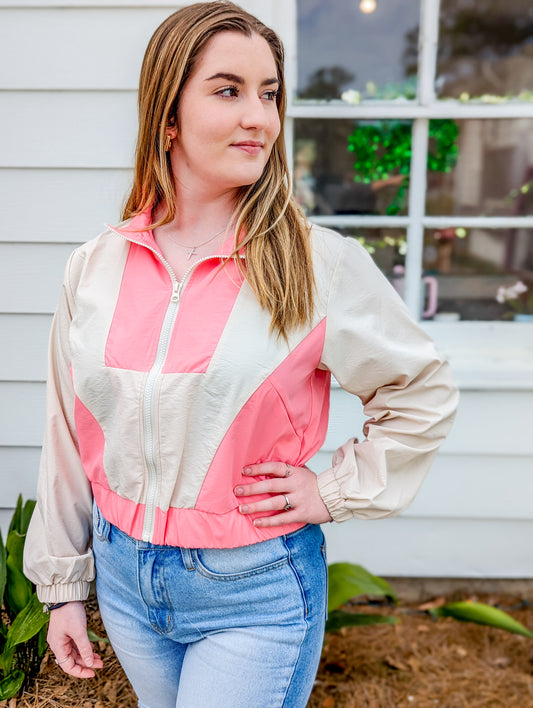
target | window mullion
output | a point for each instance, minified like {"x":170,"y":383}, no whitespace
{"x":427,"y":57}
{"x":415,"y":231}
{"x":427,"y":50}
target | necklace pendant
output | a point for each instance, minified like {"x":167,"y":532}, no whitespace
{"x":192,"y":252}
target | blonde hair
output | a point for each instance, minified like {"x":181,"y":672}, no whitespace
{"x":274,"y":231}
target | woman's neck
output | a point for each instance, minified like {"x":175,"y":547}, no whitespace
{"x":201,"y":213}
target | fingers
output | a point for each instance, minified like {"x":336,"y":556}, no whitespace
{"x":266,"y":486}
{"x":68,"y":640}
{"x":275,"y":469}
{"x":293,"y":498}
{"x":280,"y":502}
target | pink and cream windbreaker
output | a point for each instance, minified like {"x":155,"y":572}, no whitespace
{"x":160,"y":391}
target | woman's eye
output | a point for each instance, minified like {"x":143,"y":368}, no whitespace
{"x":270,"y":95}
{"x":228,"y":92}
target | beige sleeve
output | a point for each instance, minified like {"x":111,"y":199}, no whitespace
{"x":57,"y":553}
{"x":377,"y":352}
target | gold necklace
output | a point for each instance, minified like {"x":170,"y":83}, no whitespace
{"x":192,"y":249}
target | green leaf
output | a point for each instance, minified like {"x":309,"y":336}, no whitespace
{"x":11,"y":685}
{"x":15,"y":547}
{"x":17,"y":516}
{"x":6,"y":660}
{"x":480,"y":613}
{"x":93,"y":637}
{"x":347,"y":580}
{"x":3,"y":569}
{"x":27,"y":623}
{"x":26,"y":515}
{"x":18,"y":589}
{"x":339,"y":618}
{"x":41,"y":641}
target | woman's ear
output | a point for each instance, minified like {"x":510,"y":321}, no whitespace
{"x":172,"y":129}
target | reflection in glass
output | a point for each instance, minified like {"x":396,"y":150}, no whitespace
{"x":485,"y":48}
{"x":494,"y":171}
{"x":471,"y":265}
{"x":331,"y":178}
{"x":341,"y":47}
{"x":386,"y":246}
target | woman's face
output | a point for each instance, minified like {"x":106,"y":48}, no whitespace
{"x":227,"y":116}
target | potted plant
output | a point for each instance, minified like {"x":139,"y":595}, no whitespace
{"x":519,"y":298}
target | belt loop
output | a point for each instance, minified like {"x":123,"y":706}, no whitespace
{"x":187,"y":558}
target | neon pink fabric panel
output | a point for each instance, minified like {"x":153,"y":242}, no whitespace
{"x":183,"y":527}
{"x":142,"y":302}
{"x":295,"y":423}
{"x":205,"y":306}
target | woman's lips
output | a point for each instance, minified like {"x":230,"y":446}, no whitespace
{"x":250,"y":147}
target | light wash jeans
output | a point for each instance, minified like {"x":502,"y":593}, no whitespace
{"x":210,"y":628}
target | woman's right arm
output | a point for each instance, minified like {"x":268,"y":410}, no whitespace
{"x":57,"y":553}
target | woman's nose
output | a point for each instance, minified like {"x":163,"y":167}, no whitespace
{"x":254,"y":114}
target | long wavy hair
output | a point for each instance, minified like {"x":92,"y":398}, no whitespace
{"x":270,"y":225}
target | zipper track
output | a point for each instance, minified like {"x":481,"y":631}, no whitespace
{"x":149,"y":408}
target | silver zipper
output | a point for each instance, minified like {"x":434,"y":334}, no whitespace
{"x":149,"y":408}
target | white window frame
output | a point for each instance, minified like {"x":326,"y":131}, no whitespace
{"x":463,"y":341}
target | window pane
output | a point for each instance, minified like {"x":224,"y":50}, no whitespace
{"x":485,"y":48}
{"x":352,"y":167}
{"x":470,"y":265}
{"x":493,"y":174}
{"x":386,"y":246}
{"x":341,"y":47}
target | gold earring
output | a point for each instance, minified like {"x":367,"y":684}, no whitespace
{"x":168,"y":143}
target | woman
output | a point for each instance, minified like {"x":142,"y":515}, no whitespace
{"x":189,"y":378}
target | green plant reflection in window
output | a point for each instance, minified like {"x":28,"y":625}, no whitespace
{"x":383,"y":150}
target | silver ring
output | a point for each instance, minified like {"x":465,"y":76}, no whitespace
{"x":287,"y":469}
{"x":288,"y":505}
{"x":62,"y":661}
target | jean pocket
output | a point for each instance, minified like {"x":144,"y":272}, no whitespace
{"x":241,"y":562}
{"x":325,"y":559}
{"x":101,"y":527}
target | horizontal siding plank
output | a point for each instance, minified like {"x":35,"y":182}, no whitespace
{"x":20,"y":467}
{"x":49,"y":48}
{"x":94,"y":129}
{"x":261,"y":8}
{"x":435,"y":547}
{"x":468,"y":487}
{"x":83,"y":4}
{"x":21,"y":413}
{"x":67,"y":206}
{"x":24,"y":350}
{"x":476,"y":487}
{"x":481,"y":425}
{"x":31,"y":276}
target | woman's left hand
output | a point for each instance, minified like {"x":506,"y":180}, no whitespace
{"x":293,"y":493}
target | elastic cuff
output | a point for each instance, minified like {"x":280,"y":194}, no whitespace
{"x":66,"y":592}
{"x":330,"y":491}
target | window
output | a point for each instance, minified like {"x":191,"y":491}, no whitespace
{"x":411,"y":126}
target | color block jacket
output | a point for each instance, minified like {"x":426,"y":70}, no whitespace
{"x":160,"y":391}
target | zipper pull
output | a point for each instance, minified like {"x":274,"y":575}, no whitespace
{"x":176,"y":292}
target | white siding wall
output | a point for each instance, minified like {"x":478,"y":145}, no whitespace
{"x":68,"y":73}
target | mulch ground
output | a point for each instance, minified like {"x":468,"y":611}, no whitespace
{"x":417,"y":663}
